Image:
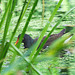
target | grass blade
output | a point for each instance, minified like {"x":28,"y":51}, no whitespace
{"x":9,"y":42}
{"x":4,"y":49}
{"x":5,"y":14}
{"x":20,"y":18}
{"x":51,"y":32}
{"x":2,"y":54}
{"x":57,"y":45}
{"x":6,"y":71}
{"x":7,"y":46}
{"x":8,"y":22}
{"x":45,"y":29}
{"x":27,"y":22}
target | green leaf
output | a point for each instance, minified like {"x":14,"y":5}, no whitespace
{"x":14,"y":64}
{"x":44,"y":30}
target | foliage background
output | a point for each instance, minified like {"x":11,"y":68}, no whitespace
{"x":37,"y":23}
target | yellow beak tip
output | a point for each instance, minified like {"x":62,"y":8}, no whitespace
{"x":15,"y":43}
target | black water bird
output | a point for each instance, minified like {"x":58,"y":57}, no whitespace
{"x":28,"y":41}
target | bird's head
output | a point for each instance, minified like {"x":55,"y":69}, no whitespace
{"x":27,"y":40}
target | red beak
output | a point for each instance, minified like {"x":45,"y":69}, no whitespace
{"x":16,"y":41}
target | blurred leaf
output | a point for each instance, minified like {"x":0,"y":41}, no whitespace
{"x":9,"y":70}
{"x":57,"y":45}
{"x":54,"y":49}
{"x":5,"y":14}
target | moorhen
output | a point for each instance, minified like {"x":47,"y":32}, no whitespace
{"x":28,"y":41}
